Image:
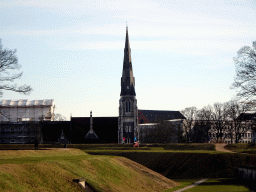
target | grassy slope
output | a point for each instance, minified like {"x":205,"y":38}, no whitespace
{"x":54,"y":170}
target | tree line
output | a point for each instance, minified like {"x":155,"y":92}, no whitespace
{"x":225,"y":120}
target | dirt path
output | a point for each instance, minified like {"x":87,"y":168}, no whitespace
{"x":190,"y":186}
{"x":220,"y":147}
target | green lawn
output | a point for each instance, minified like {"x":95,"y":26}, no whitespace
{"x":171,"y":146}
{"x":211,"y":185}
{"x":108,"y":168}
{"x":249,"y":148}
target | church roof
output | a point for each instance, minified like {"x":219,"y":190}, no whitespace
{"x":96,"y":120}
{"x":105,"y":128}
{"x":127,"y":80}
{"x":246,"y":116}
{"x":153,"y":116}
{"x":127,"y":48}
{"x":91,"y":135}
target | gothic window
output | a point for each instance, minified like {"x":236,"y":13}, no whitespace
{"x":128,"y":106}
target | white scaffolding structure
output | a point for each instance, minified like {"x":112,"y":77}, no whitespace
{"x":27,"y":110}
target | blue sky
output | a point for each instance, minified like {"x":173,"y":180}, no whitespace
{"x":72,"y":51}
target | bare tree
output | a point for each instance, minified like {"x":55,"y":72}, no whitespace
{"x":202,"y":125}
{"x":180,"y":136}
{"x":237,"y":127}
{"x":59,"y":117}
{"x":8,"y":63}
{"x":219,"y":119}
{"x":245,"y":79}
{"x":190,"y":114}
{"x":163,"y":132}
{"x":205,"y":114}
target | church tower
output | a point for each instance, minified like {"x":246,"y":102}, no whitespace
{"x":128,"y":112}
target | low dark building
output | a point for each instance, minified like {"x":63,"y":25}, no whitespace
{"x":106,"y":129}
{"x":52,"y":130}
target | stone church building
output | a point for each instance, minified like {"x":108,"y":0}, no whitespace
{"x":131,"y":119}
{"x":126,"y":128}
{"x":128,"y":110}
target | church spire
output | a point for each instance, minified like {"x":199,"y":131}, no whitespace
{"x":127,"y":49}
{"x":127,"y":80}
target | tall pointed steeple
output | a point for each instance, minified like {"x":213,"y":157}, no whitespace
{"x":128,"y":111}
{"x":127,"y":80}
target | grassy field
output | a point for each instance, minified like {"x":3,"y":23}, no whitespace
{"x":182,"y":147}
{"x":54,"y":170}
{"x":109,"y":167}
{"x":219,"y":184}
{"x":249,"y":148}
{"x":211,"y":185}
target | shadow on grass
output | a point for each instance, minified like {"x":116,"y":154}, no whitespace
{"x":231,"y":182}
{"x":222,"y":181}
{"x":186,"y":165}
{"x":191,"y":146}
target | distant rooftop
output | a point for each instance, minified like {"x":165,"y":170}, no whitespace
{"x":26,"y":103}
{"x":153,"y":116}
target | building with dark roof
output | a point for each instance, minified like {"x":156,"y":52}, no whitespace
{"x":154,"y":116}
{"x":106,"y":129}
{"x":124,"y":128}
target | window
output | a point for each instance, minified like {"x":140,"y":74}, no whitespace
{"x":127,"y":106}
